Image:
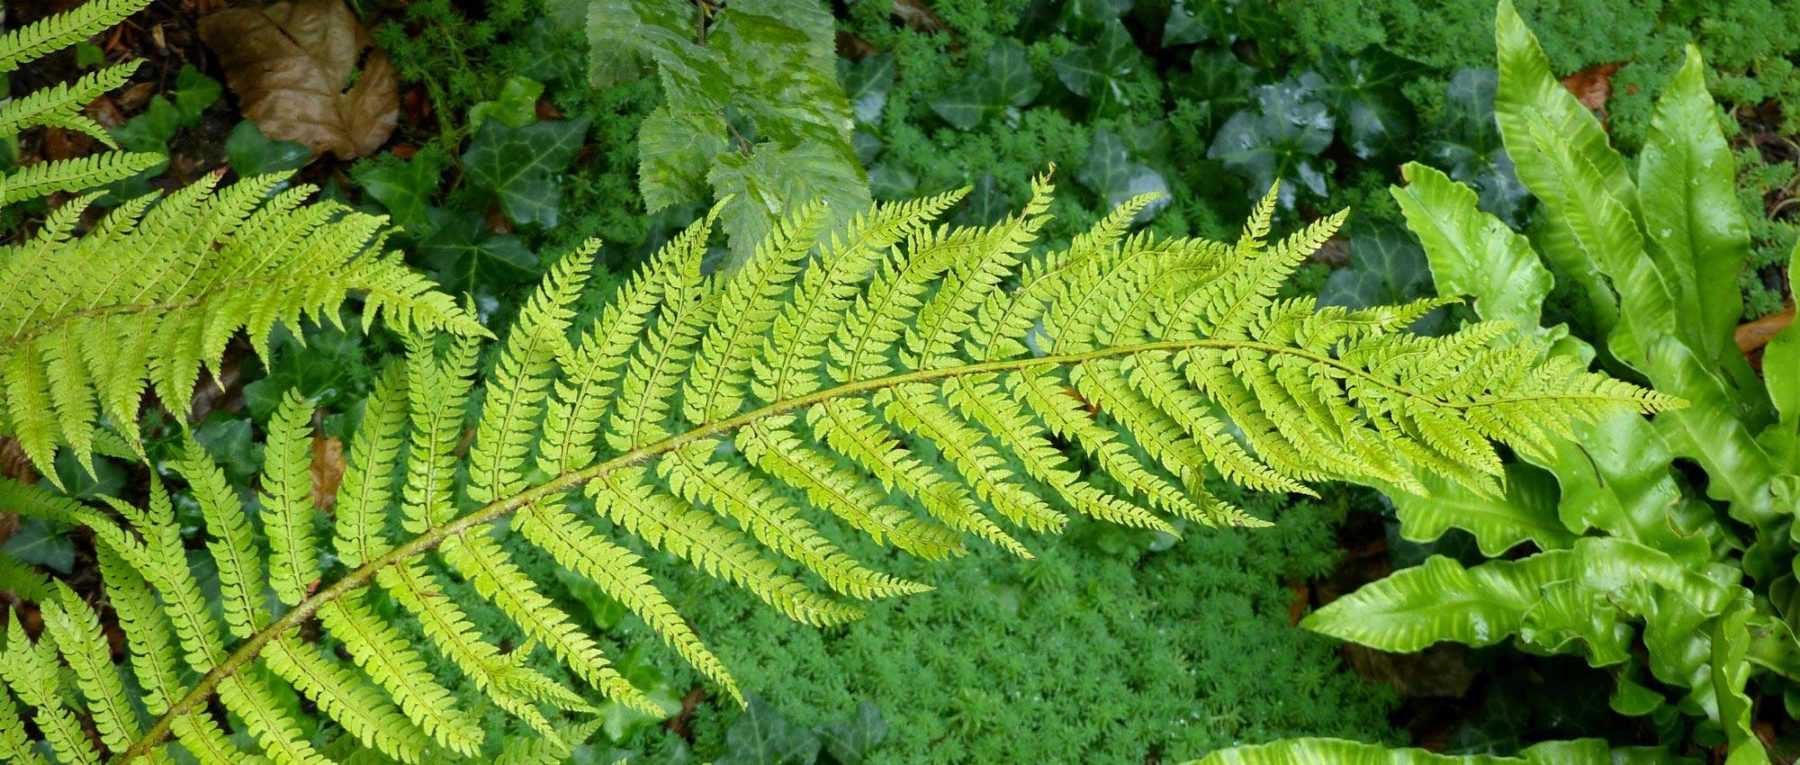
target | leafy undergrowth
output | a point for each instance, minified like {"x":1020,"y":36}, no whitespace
{"x":1113,"y":647}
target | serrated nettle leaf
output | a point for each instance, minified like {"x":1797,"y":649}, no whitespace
{"x":251,"y":153}
{"x":1100,"y":72}
{"x":404,"y":188}
{"x":675,"y":152}
{"x":1003,"y":79}
{"x":1112,"y":173}
{"x":521,"y":166}
{"x":516,"y":105}
{"x":1279,"y":138}
{"x":866,"y":85}
{"x":761,"y":183}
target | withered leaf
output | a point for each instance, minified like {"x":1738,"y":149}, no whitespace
{"x":327,"y":471}
{"x":300,"y":71}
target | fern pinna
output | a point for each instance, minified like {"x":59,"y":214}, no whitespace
{"x":897,"y":377}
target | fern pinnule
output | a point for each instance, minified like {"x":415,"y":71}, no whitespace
{"x":916,"y":383}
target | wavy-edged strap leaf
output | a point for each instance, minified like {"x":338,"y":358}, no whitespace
{"x":1525,"y":513}
{"x":1730,"y":636}
{"x":1739,"y":468}
{"x":1698,"y":236}
{"x":1440,"y":600}
{"x":1471,"y":252}
{"x":1333,"y":751}
{"x":1528,"y":93}
{"x":1781,"y":375}
{"x":288,"y":513}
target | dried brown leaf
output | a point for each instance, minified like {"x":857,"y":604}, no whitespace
{"x":327,"y":470}
{"x":300,"y":71}
{"x":1592,"y":86}
{"x":1751,"y":336}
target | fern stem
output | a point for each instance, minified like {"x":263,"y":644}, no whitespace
{"x":500,"y":508}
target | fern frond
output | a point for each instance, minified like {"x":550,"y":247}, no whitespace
{"x":154,"y":292}
{"x":42,"y":179}
{"x":60,"y":106}
{"x":899,"y":379}
{"x":53,"y":33}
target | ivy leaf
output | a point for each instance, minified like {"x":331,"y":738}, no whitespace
{"x":249,"y":152}
{"x":985,"y":204}
{"x":675,"y":151}
{"x":1003,"y":81}
{"x":405,"y":188}
{"x":1364,"y":93}
{"x":1099,"y":73}
{"x":41,"y":543}
{"x":1087,"y":14}
{"x":1184,"y":27}
{"x":465,"y":257}
{"x":866,"y":84}
{"x":194,"y":92}
{"x":330,"y":367}
{"x":1387,"y":267}
{"x":1280,"y":137}
{"x":516,"y":106}
{"x":152,"y":129}
{"x":1111,"y":172}
{"x":519,"y":166}
{"x":770,"y":178}
{"x":761,"y":736}
{"x":849,"y":741}
{"x":892,"y":182}
{"x":1468,"y":146}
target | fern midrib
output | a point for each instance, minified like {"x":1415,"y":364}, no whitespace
{"x":500,"y":508}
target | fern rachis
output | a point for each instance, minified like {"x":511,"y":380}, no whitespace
{"x":825,"y":374}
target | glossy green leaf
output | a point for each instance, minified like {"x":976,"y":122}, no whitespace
{"x":1687,"y":186}
{"x":761,"y":736}
{"x":1730,"y":637}
{"x":1525,"y":513}
{"x":1739,"y":468}
{"x":850,"y":741}
{"x":1529,"y":96}
{"x":1111,"y":172}
{"x":1468,"y":146}
{"x":1364,"y":92}
{"x":520,"y":166}
{"x":404,"y":188}
{"x":464,"y":256}
{"x":1472,"y":253}
{"x":1442,"y":601}
{"x":866,"y":84}
{"x":1279,"y":139}
{"x":1781,"y":373}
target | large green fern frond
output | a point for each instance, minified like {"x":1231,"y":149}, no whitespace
{"x":159,"y":286}
{"x":918,"y":383}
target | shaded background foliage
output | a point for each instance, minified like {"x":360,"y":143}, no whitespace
{"x":504,"y":155}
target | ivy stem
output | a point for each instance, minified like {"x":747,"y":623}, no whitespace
{"x":501,"y":508}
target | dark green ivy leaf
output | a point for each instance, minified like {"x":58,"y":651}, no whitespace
{"x":1364,"y":92}
{"x":1099,"y":73}
{"x":1279,"y":137}
{"x":249,"y":152}
{"x":41,"y":543}
{"x":849,"y":741}
{"x":1002,"y":81}
{"x":892,"y":182}
{"x":520,"y":166}
{"x":405,"y":188}
{"x":1386,"y":267}
{"x":761,"y":736}
{"x":152,"y":129}
{"x":1468,"y":146}
{"x":866,"y":84}
{"x":194,"y":92}
{"x":1184,"y":27}
{"x":1111,"y":172}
